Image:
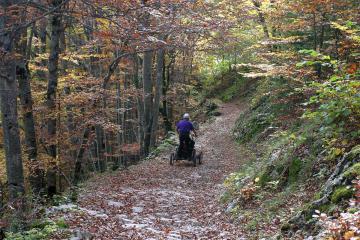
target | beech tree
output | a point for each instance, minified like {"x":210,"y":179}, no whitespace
{"x":8,"y":97}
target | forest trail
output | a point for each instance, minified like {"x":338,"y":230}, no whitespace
{"x":153,"y":200}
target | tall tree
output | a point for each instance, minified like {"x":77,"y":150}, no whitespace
{"x":148,"y":98}
{"x":53,"y":64}
{"x":158,"y":90}
{"x":36,"y":172}
{"x":8,"y":98}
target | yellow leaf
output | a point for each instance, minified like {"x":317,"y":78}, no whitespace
{"x":348,"y":235}
{"x":338,"y":151}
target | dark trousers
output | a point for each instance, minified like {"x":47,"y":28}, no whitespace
{"x":186,"y":144}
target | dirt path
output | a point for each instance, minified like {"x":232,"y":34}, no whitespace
{"x":154,"y":200}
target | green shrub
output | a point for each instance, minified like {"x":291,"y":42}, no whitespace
{"x":341,"y":193}
{"x":40,"y":232}
{"x":335,"y":106}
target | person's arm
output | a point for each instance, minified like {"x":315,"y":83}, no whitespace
{"x":193,"y":130}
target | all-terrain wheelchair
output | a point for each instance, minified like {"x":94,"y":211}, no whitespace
{"x":186,"y":151}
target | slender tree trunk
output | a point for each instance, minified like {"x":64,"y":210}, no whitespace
{"x":118,"y":121}
{"x":139,"y":105}
{"x":8,"y":99}
{"x":53,"y":64}
{"x":79,"y":159}
{"x":322,"y":31}
{"x":166,"y":82}
{"x":42,"y":34}
{"x":99,"y":132}
{"x":36,"y":171}
{"x":43,"y":45}
{"x":124,"y":117}
{"x":164,"y":93}
{"x":29,"y":42}
{"x":337,"y":40}
{"x":158,"y":90}
{"x":314,"y":31}
{"x":147,"y":88}
{"x":147,"y":84}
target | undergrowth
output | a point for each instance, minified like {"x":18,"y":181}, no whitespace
{"x":298,"y":139}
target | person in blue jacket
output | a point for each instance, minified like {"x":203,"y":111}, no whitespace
{"x":184,"y":127}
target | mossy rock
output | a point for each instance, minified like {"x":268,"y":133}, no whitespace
{"x":353,"y":171}
{"x":341,"y":193}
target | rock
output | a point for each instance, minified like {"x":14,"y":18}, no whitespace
{"x":137,"y":209}
{"x":82,"y":235}
{"x":116,"y":204}
{"x":231,"y":206}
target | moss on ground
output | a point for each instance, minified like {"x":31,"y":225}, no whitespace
{"x":353,"y":171}
{"x":341,"y":193}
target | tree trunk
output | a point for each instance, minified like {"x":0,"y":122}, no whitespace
{"x":29,"y":43}
{"x":314,"y":31}
{"x":158,"y":90}
{"x":99,"y":132}
{"x":118,"y":121}
{"x":147,"y":84}
{"x":79,"y":159}
{"x":165,"y":105}
{"x":36,"y":171}
{"x":8,"y":99}
{"x":53,"y":64}
{"x":322,"y":31}
{"x":139,"y":105}
{"x":42,"y":34}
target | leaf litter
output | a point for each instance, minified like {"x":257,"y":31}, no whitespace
{"x":153,"y":200}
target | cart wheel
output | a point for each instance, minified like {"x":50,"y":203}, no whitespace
{"x":200,"y":156}
{"x":193,"y":157}
{"x":172,"y":158}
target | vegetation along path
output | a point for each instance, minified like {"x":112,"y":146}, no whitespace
{"x":153,"y":200}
